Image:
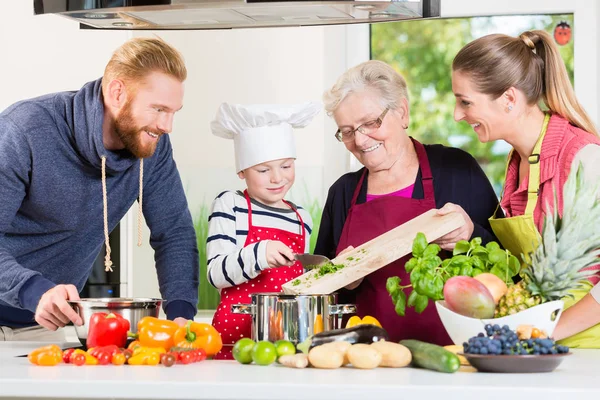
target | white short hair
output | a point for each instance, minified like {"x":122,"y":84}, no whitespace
{"x":385,"y":81}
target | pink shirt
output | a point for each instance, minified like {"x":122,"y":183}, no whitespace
{"x":405,"y":192}
{"x":560,"y":146}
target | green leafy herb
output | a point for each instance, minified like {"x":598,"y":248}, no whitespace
{"x":428,"y":273}
{"x":328,"y":268}
{"x":295,"y":282}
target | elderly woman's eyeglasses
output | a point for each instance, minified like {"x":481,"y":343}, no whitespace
{"x":368,"y":128}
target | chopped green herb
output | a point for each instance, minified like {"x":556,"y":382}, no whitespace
{"x":350,"y":258}
{"x":295,"y":282}
{"x":328,"y":268}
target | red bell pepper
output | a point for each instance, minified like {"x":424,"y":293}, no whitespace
{"x":106,"y":329}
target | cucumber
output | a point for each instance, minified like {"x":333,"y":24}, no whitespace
{"x":431,"y":356}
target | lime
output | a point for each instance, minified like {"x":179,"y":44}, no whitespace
{"x":242,"y":350}
{"x":264,"y":353}
{"x":285,"y":347}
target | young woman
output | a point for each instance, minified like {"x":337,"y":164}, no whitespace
{"x":500,"y":82}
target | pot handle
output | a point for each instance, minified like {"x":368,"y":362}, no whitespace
{"x":340,"y":309}
{"x":246,"y":309}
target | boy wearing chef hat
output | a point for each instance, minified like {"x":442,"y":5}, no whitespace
{"x":253,"y":235}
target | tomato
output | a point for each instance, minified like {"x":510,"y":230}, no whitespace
{"x":168,"y":359}
{"x":77,"y":359}
{"x":118,"y":359}
{"x":186,"y":357}
{"x":67,"y":355}
{"x":104,"y":358}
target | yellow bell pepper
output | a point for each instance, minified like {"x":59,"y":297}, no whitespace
{"x":366,"y":320}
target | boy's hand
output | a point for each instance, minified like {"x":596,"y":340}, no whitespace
{"x":279,"y":255}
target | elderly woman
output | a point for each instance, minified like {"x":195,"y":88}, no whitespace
{"x":401,"y":179}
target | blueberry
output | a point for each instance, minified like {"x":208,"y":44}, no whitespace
{"x":544,"y":350}
{"x":480,"y":334}
{"x":496,"y":327}
{"x":483,"y":350}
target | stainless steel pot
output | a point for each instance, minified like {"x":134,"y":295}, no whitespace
{"x":132,"y":309}
{"x":277,"y":316}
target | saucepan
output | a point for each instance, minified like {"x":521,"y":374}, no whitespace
{"x":132,"y":309}
{"x":279,"y":316}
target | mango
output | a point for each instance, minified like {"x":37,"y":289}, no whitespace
{"x":469,"y":297}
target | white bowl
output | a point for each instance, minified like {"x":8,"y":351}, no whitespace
{"x":461,"y":328}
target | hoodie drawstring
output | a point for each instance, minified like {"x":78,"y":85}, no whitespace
{"x":107,"y":261}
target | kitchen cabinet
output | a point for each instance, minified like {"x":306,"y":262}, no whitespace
{"x":576,"y":376}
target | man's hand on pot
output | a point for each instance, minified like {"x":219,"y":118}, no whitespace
{"x":53,"y":311}
{"x":449,"y":240}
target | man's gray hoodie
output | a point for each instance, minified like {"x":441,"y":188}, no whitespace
{"x":51,"y":208}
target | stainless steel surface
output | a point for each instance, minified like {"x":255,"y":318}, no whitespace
{"x":311,"y":261}
{"x":132,"y":309}
{"x":277,"y":316}
{"x":227,"y":14}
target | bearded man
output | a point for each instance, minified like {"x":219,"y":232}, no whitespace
{"x":71,"y":166}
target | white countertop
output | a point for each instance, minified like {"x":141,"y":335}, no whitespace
{"x":576,"y":376}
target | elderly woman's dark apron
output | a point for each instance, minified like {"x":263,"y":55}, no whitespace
{"x":371,"y":219}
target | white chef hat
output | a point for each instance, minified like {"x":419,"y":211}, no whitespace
{"x":262,"y":132}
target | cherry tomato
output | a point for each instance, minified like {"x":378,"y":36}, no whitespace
{"x":118,"y":359}
{"x":104,"y":358}
{"x":186,"y":358}
{"x":67,"y":355}
{"x":167,"y":359}
{"x":77,"y":359}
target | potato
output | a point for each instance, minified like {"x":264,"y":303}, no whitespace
{"x":364,"y":356}
{"x":394,"y":355}
{"x":328,"y":356}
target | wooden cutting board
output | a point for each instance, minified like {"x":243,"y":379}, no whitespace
{"x":375,"y":254}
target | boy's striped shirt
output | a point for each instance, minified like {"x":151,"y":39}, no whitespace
{"x":229,"y":262}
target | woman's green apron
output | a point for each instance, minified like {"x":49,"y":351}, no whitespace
{"x":520,"y":236}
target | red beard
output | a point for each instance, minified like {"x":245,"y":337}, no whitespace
{"x":131,"y":135}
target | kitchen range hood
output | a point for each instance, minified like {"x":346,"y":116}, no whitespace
{"x":227,"y":14}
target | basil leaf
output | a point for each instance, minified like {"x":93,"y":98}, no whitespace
{"x":411,"y":264}
{"x":476,"y":271}
{"x":480,"y":250}
{"x":431,"y":250}
{"x":514,"y":266}
{"x":466,"y":269}
{"x":497,"y":256}
{"x":476,"y":241}
{"x":438,"y":285}
{"x":400,"y":306}
{"x":491,"y":246}
{"x":431,"y":263}
{"x":391,"y":285}
{"x":501,"y":271}
{"x":419,"y":245}
{"x":412,"y":298}
{"x":477,"y":263}
{"x":415,"y":276}
{"x":461,"y":247}
{"x":421,"y":303}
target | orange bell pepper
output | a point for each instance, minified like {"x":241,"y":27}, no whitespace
{"x":197,"y":335}
{"x":154,"y":332}
{"x":367,"y":320}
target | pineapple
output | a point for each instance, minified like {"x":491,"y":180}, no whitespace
{"x":569,"y":245}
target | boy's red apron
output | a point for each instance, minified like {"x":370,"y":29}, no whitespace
{"x":233,"y":327}
{"x":371,"y":219}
